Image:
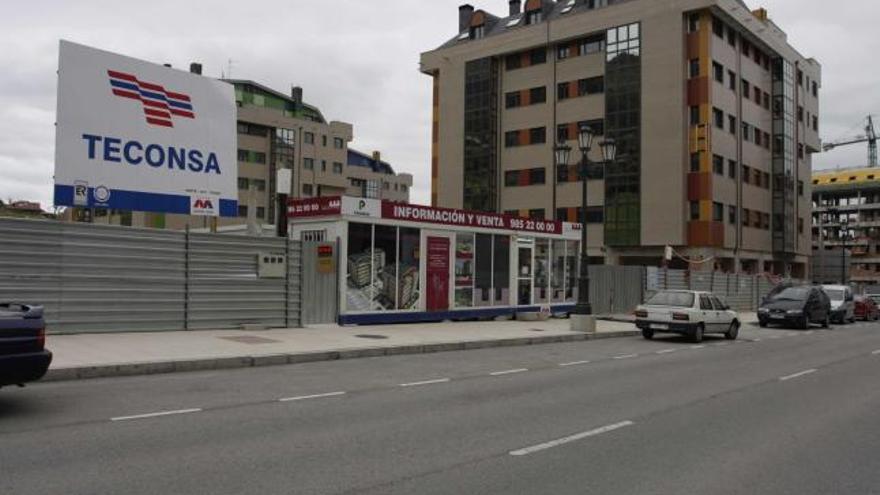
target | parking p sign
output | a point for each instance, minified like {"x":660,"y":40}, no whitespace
{"x":133,"y":135}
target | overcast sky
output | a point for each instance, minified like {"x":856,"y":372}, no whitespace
{"x":357,"y":60}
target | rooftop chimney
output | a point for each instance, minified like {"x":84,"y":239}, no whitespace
{"x":465,"y":12}
{"x":515,"y":7}
{"x":195,"y":68}
{"x":296,"y":93}
{"x":377,"y":157}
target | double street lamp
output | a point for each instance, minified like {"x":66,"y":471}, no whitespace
{"x":586,"y":137}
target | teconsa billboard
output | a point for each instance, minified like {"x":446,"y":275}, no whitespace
{"x":132,"y":135}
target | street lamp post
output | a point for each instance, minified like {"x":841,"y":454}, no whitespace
{"x":844,"y":234}
{"x":585,"y":143}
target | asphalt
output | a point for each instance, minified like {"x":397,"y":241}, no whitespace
{"x":777,"y":412}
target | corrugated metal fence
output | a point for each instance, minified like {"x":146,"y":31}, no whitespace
{"x":94,"y":278}
{"x":742,"y":292}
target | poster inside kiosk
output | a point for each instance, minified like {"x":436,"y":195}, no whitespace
{"x":132,"y":135}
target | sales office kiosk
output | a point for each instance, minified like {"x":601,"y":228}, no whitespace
{"x":405,"y":263}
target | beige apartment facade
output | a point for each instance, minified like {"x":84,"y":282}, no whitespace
{"x":714,"y":114}
{"x":275,"y":131}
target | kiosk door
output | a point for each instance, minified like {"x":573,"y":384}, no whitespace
{"x":438,"y":268}
{"x":524,"y":276}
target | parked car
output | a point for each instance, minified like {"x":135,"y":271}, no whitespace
{"x":842,"y":303}
{"x":866,"y":309}
{"x":23,"y":354}
{"x":796,"y":306}
{"x":690,"y":313}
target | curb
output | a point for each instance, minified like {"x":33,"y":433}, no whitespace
{"x":227,"y":363}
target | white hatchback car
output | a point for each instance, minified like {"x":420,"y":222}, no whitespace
{"x":686,"y":312}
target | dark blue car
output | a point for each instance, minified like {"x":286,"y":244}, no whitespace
{"x":23,"y":354}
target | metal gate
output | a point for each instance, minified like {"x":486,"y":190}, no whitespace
{"x":320,"y":275}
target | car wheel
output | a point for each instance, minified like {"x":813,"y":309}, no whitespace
{"x":826,"y":323}
{"x":733,"y":333}
{"x":804,"y":323}
{"x":762,"y":324}
{"x":648,"y":334}
{"x":697,"y":334}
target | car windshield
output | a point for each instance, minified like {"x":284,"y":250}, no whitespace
{"x":834,"y":294}
{"x":674,"y":299}
{"x":792,"y":294}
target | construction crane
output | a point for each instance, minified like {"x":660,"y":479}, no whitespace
{"x":869,"y":137}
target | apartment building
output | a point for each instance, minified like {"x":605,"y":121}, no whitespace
{"x":715,"y":116}
{"x":277,"y":130}
{"x":846,"y":226}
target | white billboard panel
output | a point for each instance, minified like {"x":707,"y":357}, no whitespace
{"x":132,"y":135}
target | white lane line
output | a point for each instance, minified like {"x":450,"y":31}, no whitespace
{"x":626,"y":356}
{"x":508,"y":372}
{"x":797,"y":375}
{"x":426,"y":382}
{"x":574,"y":363}
{"x":698,"y":347}
{"x":876,"y":353}
{"x":666,"y":351}
{"x":155,"y":414}
{"x":307,"y":397}
{"x":569,"y":439}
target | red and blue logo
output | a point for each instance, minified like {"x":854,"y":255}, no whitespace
{"x":160,"y":105}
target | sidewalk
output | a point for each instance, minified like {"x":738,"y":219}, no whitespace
{"x":128,"y":354}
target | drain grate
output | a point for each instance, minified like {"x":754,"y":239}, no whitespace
{"x":369,"y":336}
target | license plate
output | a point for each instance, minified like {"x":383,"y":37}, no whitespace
{"x":777,"y":317}
{"x":658,"y":326}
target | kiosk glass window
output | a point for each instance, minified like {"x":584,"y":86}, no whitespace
{"x":408,"y":269}
{"x":557,"y":271}
{"x":359,"y":290}
{"x":464,"y":270}
{"x":542,"y":271}
{"x":571,"y":272}
{"x":384,"y":268}
{"x":501,"y":270}
{"x":483,"y":270}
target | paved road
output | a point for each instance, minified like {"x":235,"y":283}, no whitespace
{"x":777,"y":412}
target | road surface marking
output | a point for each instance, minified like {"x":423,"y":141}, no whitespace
{"x":508,"y":372}
{"x":876,"y":353}
{"x":798,"y":375}
{"x":426,"y":382}
{"x":574,"y":363}
{"x":698,"y":347}
{"x":569,"y":439}
{"x":666,"y":351}
{"x":307,"y":397}
{"x":155,"y":414}
{"x":626,"y":356}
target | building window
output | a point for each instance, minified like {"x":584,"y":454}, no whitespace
{"x":323,"y":165}
{"x":337,"y":168}
{"x":307,"y":189}
{"x":538,"y":56}
{"x":590,"y":86}
{"x":731,"y":80}
{"x":537,"y":214}
{"x":731,"y":124}
{"x":731,"y":36}
{"x":309,"y":163}
{"x":593,"y":44}
{"x":563,"y":51}
{"x":242,"y":210}
{"x":718,"y":27}
{"x":478,"y":32}
{"x":309,"y":137}
{"x":695,"y":210}
{"x":512,"y":99}
{"x":534,"y":17}
{"x":747,"y":215}
{"x":538,"y":135}
{"x":765,"y":180}
{"x":261,"y":212}
{"x":800,"y":188}
{"x":717,"y":212}
{"x":815,"y":89}
{"x":718,"y":164}
{"x":242,"y":183}
{"x":731,"y":215}
{"x":695,"y":162}
{"x":747,"y":89}
{"x":800,"y":113}
{"x":731,"y":169}
{"x":800,"y":225}
{"x":537,"y":95}
{"x":513,"y":62}
{"x":260,"y":184}
{"x":259,"y":157}
{"x":562,"y":91}
{"x":511,"y":139}
{"x":338,"y":143}
{"x":718,"y":70}
{"x":747,"y":174}
{"x":746,"y":133}
{"x":243,"y":155}
{"x":694,"y":68}
{"x":815,"y":123}
{"x":719,"y":118}
{"x":693,"y":23}
{"x":766,"y":100}
{"x":695,"y":115}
